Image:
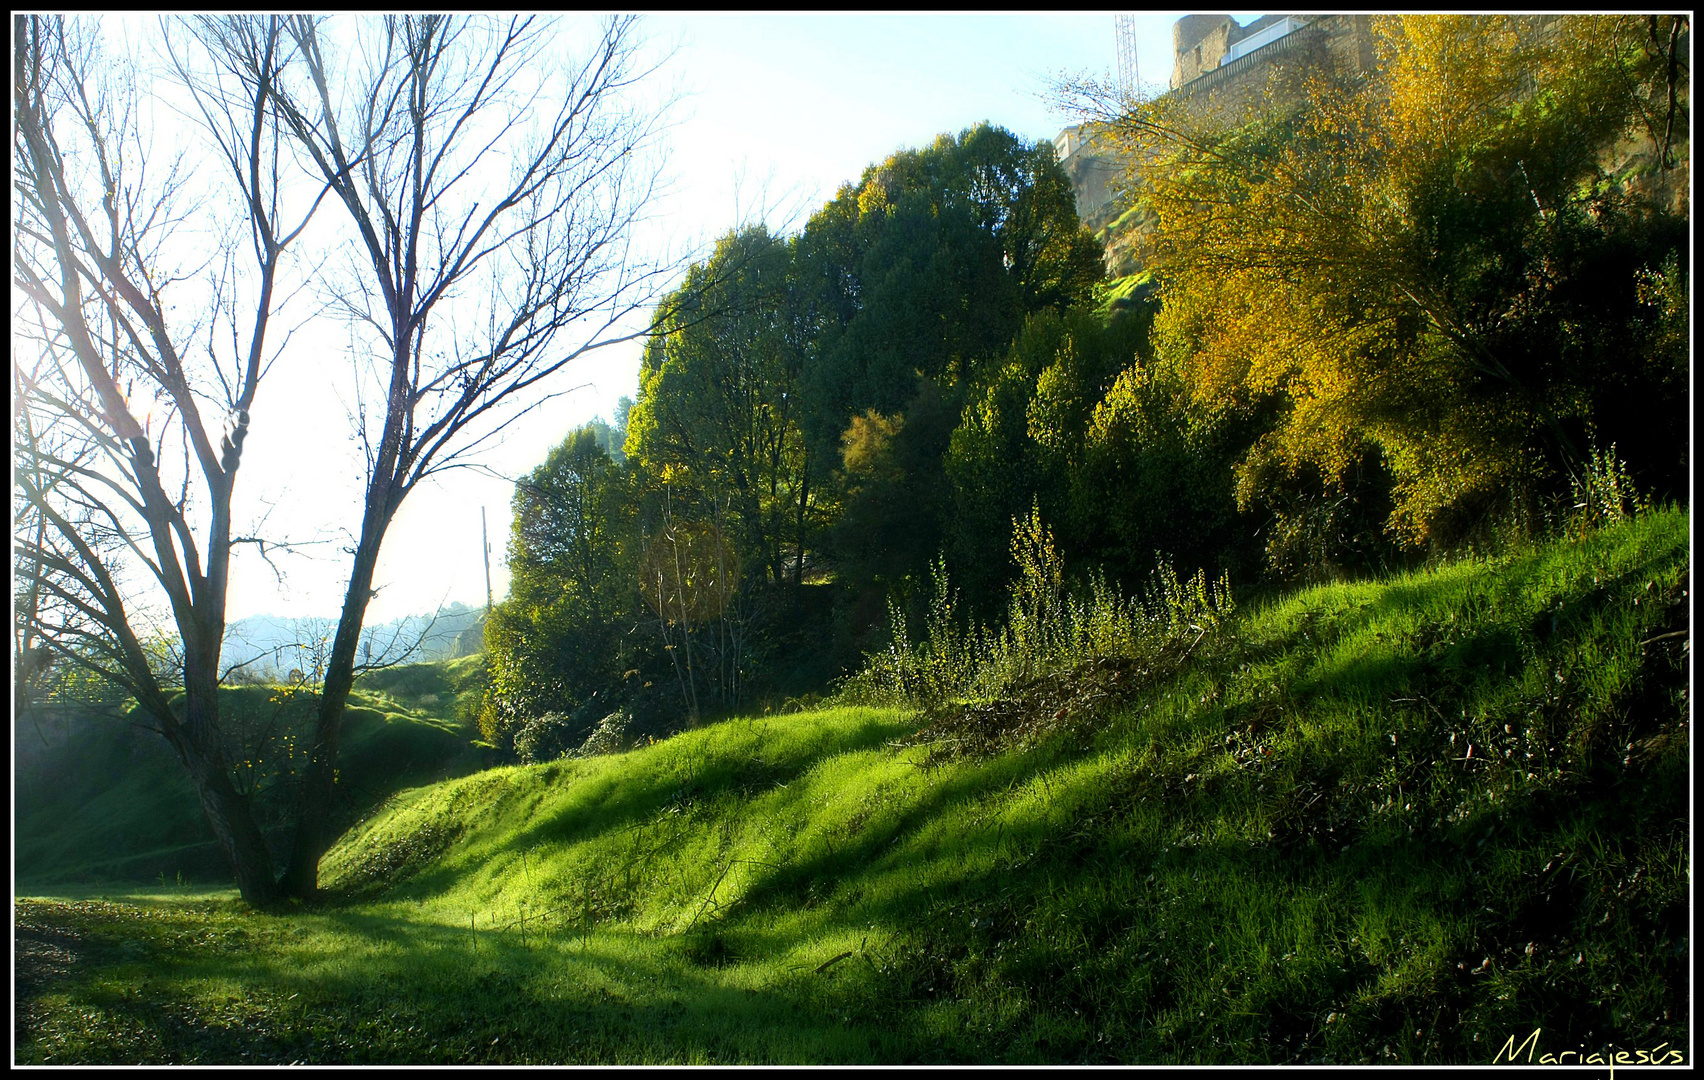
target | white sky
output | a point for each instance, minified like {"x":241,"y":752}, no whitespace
{"x":776,"y":112}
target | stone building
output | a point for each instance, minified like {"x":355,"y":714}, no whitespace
{"x":1222,"y":66}
{"x":1095,"y":171}
{"x":1203,"y":42}
{"x":1221,"y":63}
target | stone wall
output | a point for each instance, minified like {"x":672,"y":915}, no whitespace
{"x":1201,"y":42}
{"x":1095,"y":170}
{"x":1203,"y":77}
{"x":1234,"y":85}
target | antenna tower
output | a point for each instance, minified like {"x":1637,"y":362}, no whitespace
{"x":1125,"y":27}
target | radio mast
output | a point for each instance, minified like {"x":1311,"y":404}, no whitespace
{"x":1124,"y":26}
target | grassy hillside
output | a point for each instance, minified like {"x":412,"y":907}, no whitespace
{"x":1382,"y":822}
{"x":106,"y":801}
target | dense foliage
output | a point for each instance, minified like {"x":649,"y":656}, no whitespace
{"x":1429,"y":273}
{"x":1386,"y":312}
{"x":558,"y":638}
{"x":783,"y":467}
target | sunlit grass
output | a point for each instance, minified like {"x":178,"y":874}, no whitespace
{"x":117,"y":805}
{"x":1284,"y":852}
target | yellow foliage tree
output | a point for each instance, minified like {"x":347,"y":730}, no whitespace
{"x":1428,"y":262}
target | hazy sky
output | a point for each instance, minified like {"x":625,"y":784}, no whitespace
{"x":774,"y":113}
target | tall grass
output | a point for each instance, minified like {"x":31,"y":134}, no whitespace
{"x":1046,"y":628}
{"x":1603,"y":493}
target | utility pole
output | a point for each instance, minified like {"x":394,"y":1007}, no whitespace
{"x":485,"y":543}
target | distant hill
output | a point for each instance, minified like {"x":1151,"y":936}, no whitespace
{"x":274,"y":645}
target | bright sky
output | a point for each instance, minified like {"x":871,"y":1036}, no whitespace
{"x":776,"y":112}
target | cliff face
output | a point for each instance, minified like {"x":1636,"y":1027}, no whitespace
{"x":1654,"y":165}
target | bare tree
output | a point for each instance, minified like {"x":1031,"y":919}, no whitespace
{"x":122,"y":520}
{"x":491,"y":188}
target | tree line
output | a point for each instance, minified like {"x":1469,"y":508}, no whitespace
{"x":1383,"y":314}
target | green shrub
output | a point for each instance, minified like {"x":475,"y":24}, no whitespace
{"x":609,"y":736}
{"x":1046,"y":630}
{"x":544,"y":738}
{"x":1603,"y":494}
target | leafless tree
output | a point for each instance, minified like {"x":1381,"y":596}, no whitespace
{"x":490,"y":188}
{"x":122,"y":504}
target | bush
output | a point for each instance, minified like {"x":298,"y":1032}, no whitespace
{"x":1046,"y":630}
{"x":609,"y":736}
{"x":545,"y":738}
{"x":1603,"y":494}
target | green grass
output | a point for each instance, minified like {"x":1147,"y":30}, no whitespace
{"x":447,"y":688}
{"x":1284,"y":852}
{"x":1122,"y":288}
{"x":113,"y":803}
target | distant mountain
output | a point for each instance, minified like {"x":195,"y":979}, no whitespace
{"x":273,"y":646}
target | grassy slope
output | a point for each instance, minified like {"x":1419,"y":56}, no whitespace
{"x":1285,"y":853}
{"x":116,"y":805}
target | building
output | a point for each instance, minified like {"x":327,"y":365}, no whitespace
{"x":1221,"y":63}
{"x":1095,"y":172}
{"x":1202,"y":43}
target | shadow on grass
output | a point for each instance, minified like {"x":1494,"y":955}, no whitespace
{"x":391,"y":988}
{"x":641,"y":796}
{"x":1367,"y":891}
{"x":404,"y":991}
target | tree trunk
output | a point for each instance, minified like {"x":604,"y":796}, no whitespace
{"x":313,"y":813}
{"x":198,"y":744}
{"x":804,"y":503}
{"x":233,"y":828}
